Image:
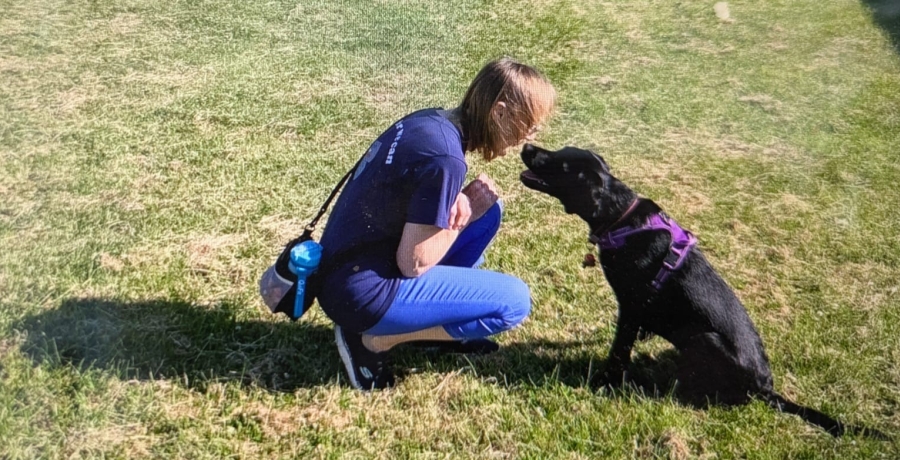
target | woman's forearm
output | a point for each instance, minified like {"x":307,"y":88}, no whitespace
{"x":422,"y":247}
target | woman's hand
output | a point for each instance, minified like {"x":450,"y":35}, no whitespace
{"x":423,"y":246}
{"x":482,"y":194}
{"x":460,"y":213}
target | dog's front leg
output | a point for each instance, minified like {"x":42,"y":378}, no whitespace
{"x":627,"y":328}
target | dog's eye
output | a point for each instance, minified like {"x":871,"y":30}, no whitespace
{"x":565,"y":166}
{"x":581,"y":176}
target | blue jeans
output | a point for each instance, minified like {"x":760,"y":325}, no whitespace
{"x":468,"y":302}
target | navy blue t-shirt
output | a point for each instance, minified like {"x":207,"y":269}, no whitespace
{"x":412,"y":173}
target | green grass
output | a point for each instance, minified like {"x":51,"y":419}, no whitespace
{"x":154,"y":156}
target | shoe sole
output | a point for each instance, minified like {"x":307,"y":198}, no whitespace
{"x":344,"y":351}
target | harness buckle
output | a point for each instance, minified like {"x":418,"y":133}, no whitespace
{"x":672,"y":258}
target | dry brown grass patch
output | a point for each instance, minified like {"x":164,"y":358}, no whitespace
{"x":68,"y":101}
{"x":206,"y":253}
{"x":125,"y":23}
{"x":676,"y":445}
{"x":280,"y":229}
{"x":133,"y":438}
{"x":16,"y":64}
{"x":384,"y":101}
{"x":693,"y":141}
{"x":8,"y":344}
{"x":763,"y":101}
{"x":150,"y":255}
{"x":867,"y":286}
{"x":669,"y":445}
{"x":110,"y":262}
{"x":283,"y":421}
{"x":606,"y":82}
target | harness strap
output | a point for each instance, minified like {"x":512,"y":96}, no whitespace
{"x":682,"y":243}
{"x":680,"y":246}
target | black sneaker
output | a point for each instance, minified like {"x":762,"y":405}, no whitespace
{"x":467,"y":347}
{"x":367,"y":369}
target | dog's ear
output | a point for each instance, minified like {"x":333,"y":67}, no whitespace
{"x":593,"y":179}
{"x":603,"y":164}
{"x":592,"y":150}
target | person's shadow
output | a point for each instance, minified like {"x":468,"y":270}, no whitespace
{"x":177,"y":341}
{"x":196,"y":346}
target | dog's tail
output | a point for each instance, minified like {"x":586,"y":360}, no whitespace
{"x":829,"y":424}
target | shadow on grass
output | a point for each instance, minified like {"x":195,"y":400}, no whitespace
{"x":174,"y":340}
{"x":577,"y":364}
{"x":886,"y":14}
{"x":196,"y":346}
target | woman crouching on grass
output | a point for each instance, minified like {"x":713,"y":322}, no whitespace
{"x":415,"y":235}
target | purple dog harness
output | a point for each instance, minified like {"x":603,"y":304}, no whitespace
{"x":679,"y":248}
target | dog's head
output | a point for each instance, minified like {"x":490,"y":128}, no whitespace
{"x":578,"y":178}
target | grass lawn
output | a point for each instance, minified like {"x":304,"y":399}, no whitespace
{"x":155,"y":155}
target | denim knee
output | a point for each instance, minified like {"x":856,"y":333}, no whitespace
{"x":494,"y":215}
{"x":519,"y":306}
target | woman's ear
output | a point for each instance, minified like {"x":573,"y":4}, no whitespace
{"x":500,"y":110}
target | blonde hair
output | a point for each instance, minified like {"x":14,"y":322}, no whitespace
{"x":529,"y":98}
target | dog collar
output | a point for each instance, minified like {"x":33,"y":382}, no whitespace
{"x":679,"y":248}
{"x":594,"y":238}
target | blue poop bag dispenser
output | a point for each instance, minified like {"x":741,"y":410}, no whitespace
{"x":305,"y":258}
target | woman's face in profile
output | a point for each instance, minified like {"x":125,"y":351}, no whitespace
{"x":529,"y":136}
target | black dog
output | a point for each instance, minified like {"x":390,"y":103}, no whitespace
{"x":664,"y":286}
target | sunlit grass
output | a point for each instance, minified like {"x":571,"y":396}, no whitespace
{"x":154,"y":156}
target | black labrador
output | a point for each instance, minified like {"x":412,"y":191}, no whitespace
{"x":664,"y":286}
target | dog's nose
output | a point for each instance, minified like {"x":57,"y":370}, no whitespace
{"x":528,"y":152}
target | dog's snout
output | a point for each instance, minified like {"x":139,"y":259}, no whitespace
{"x":528,"y":152}
{"x":540,"y":159}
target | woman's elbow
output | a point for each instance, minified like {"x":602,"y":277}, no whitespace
{"x":410,"y":268}
{"x":412,"y":273}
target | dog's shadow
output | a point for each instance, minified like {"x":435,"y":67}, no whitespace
{"x":580,"y":364}
{"x":198,"y":345}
